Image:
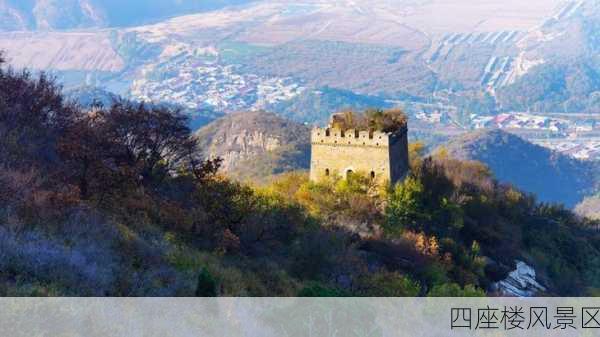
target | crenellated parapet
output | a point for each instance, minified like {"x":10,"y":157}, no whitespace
{"x":351,"y":137}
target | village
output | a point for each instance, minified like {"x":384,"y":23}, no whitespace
{"x":198,"y":84}
{"x":577,"y":135}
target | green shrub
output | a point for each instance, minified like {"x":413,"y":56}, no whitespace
{"x":454,"y":290}
{"x":405,"y":207}
{"x":207,"y":285}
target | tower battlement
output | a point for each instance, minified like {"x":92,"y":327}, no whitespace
{"x":382,"y":155}
{"x":351,"y":137}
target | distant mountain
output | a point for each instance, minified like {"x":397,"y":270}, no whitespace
{"x":559,"y":63}
{"x":551,"y":176}
{"x":317,"y":105}
{"x":21,"y":15}
{"x":256,"y":145}
{"x":18,"y":15}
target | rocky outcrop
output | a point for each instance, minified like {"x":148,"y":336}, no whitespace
{"x":521,"y":282}
{"x":247,"y":144}
{"x":256,"y":144}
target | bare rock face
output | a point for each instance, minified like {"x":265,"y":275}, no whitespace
{"x":256,"y":144}
{"x":247,"y":144}
{"x":521,"y":282}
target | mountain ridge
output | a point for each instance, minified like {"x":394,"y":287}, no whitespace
{"x":551,"y":176}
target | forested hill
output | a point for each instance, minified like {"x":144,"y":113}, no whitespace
{"x":551,"y":176}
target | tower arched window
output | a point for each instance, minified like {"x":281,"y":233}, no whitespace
{"x":372,"y":174}
{"x":327,"y":172}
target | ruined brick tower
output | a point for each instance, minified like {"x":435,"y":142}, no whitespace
{"x":381,"y":155}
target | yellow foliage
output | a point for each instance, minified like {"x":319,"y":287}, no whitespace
{"x":513,"y":196}
{"x":335,"y":201}
{"x":442,"y":153}
{"x":416,"y":151}
{"x":425,"y":245}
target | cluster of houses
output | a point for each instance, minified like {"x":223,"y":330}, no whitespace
{"x":211,"y":85}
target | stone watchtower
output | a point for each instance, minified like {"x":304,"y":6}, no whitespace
{"x":381,"y":155}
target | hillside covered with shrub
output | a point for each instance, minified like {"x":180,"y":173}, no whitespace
{"x":115,"y":202}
